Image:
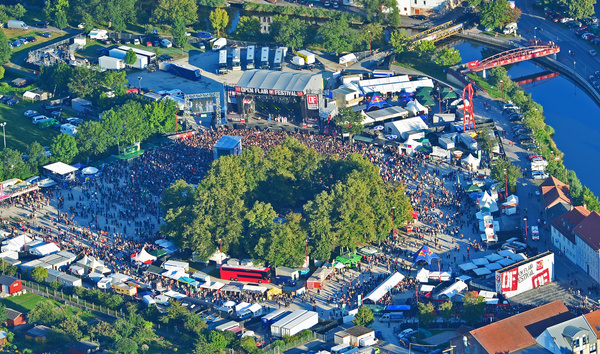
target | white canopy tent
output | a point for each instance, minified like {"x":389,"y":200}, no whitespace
{"x":385,"y":287}
{"x":254,"y":288}
{"x":427,"y":288}
{"x":471,"y":161}
{"x":480,"y":261}
{"x":454,"y":289}
{"x":143,"y":257}
{"x":415,"y":107}
{"x":467,"y":266}
{"x":422,"y":275}
{"x":215,"y":285}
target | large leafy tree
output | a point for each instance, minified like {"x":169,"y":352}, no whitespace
{"x":36,"y":157}
{"x":496,"y":14}
{"x":513,"y":171}
{"x":290,"y":32}
{"x":448,"y":57}
{"x":44,"y":312}
{"x":399,"y":41}
{"x":130,"y":57}
{"x":473,"y":307}
{"x":92,"y":139}
{"x":336,"y":36}
{"x":364,"y":317}
{"x":178,"y":32}
{"x":426,"y":314}
{"x":218,"y":19}
{"x":84,"y":82}
{"x":248,"y":28}
{"x":579,"y":8}
{"x":167,"y":10}
{"x":426,"y":50}
{"x":39,"y":274}
{"x":285,"y":243}
{"x":372,"y":32}
{"x":55,"y":78}
{"x":4,"y":49}
{"x":13,"y":165}
{"x":64,"y":148}
{"x":349,"y":121}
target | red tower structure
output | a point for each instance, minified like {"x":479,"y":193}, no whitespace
{"x":468,"y":116}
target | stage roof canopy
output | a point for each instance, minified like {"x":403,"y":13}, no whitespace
{"x":280,"y":80}
{"x":228,"y":142}
{"x":60,"y":168}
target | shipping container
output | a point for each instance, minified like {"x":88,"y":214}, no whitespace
{"x":306,"y":321}
{"x":273,"y":317}
{"x":250,"y":58}
{"x":276,"y":327}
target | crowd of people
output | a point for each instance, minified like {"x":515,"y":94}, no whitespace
{"x":117,"y":212}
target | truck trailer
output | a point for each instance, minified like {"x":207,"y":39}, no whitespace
{"x":306,"y":321}
{"x":185,"y":72}
{"x":111,"y":63}
{"x":276,"y":327}
{"x":273,"y":317}
{"x":308,"y":57}
{"x":218,"y":44}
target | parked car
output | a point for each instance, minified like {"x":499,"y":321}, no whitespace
{"x":335,"y":5}
{"x":539,"y":175}
{"x":165,"y":57}
{"x":12,"y":102}
{"x":514,"y":117}
{"x":530,"y":147}
{"x":136,"y":41}
{"x":30,"y":113}
{"x":149,"y":44}
{"x":42,"y":24}
{"x":30,"y":39}
{"x":45,"y":35}
{"x":593,"y":52}
{"x":166,"y":43}
{"x":6,"y":99}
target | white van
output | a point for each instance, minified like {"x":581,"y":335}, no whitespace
{"x":37,"y":119}
{"x":104,"y":283}
{"x":68,"y":129}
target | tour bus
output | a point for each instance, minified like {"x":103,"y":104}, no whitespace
{"x":340,"y":349}
{"x":250,"y":58}
{"x":264,"y":58}
{"x":236,"y":61}
{"x":223,"y":62}
{"x":246,"y":273}
{"x":278,"y":59}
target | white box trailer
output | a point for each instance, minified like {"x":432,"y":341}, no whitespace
{"x":98,"y":34}
{"x":218,"y":44}
{"x":287,"y":272}
{"x":308,"y":57}
{"x":227,"y":325}
{"x":111,"y":63}
{"x":298,"y":61}
{"x":306,"y":321}
{"x":276,"y":327}
{"x":469,"y":141}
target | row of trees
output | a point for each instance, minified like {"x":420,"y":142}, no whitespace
{"x":534,"y":119}
{"x":423,"y":51}
{"x":344,"y":203}
{"x":472,"y":311}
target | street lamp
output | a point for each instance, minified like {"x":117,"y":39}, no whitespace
{"x":221,"y":251}
{"x":525,"y":219}
{"x":506,"y":179}
{"x":370,"y":50}
{"x":534,"y":29}
{"x":139,"y":84}
{"x":3,"y":124}
{"x":537,"y":115}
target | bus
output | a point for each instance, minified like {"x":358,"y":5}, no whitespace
{"x":250,"y":58}
{"x":236,"y":61}
{"x":341,"y":349}
{"x":246,"y":273}
{"x":378,"y":74}
{"x":278,"y":59}
{"x":264,"y":58}
{"x":223,"y":62}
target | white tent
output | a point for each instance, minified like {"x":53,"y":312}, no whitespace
{"x":453,"y":289}
{"x":15,"y":244}
{"x":415,"y":107}
{"x":385,"y":287}
{"x":143,"y":257}
{"x":480,"y":261}
{"x":89,"y":170}
{"x":467,"y":266}
{"x":422,"y":276}
{"x":212,"y":285}
{"x":440,"y":152}
{"x":481,"y":271}
{"x":45,"y":249}
{"x":443,"y":276}
{"x":471,"y":161}
{"x":426,"y":288}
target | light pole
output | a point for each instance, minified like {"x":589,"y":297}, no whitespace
{"x":506,"y":180}
{"x":439,"y":100}
{"x":3,"y":124}
{"x":534,"y":29}
{"x":221,"y":252}
{"x":525,"y":219}
{"x":370,"y":50}
{"x":537,"y":115}
{"x":139,"y":84}
{"x":502,"y":83}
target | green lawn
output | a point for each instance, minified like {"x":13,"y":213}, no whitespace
{"x":25,"y":302}
{"x":20,"y":132}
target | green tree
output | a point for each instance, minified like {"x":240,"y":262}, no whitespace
{"x":39,"y":274}
{"x":5,"y":50}
{"x":44,"y":313}
{"x":64,"y":148}
{"x":60,"y":20}
{"x":102,"y":331}
{"x":395,"y":20}
{"x":130,"y":57}
{"x":175,"y":312}
{"x":212,"y":3}
{"x":2,"y":70}
{"x":448,"y":57}
{"x":496,"y":14}
{"x":336,"y":36}
{"x":178,"y":33}
{"x":249,"y":345}
{"x":55,"y":78}
{"x":3,"y":14}
{"x":126,"y":346}
{"x":17,"y":11}
{"x":92,"y":139}
{"x":167,"y":10}
{"x":514,"y":172}
{"x":399,"y":41}
{"x":248,"y":28}
{"x":349,"y":121}
{"x":89,"y":21}
{"x":426,"y":314}
{"x":83,"y":81}
{"x":55,"y":284}
{"x":579,"y":9}
{"x":36,"y":156}
{"x":364,"y":317}
{"x":445,"y":310}
{"x":473,"y":308}
{"x":73,"y":328}
{"x":3,"y":313}
{"x":118,"y":23}
{"x":13,"y":165}
{"x":426,"y":49}
{"x":258,"y":223}
{"x":218,"y":19}
{"x":372,"y":33}
{"x":290,"y":32}
{"x":285,"y":246}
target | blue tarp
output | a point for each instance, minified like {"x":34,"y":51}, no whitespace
{"x":424,"y":254}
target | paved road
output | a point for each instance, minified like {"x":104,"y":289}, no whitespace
{"x":533,"y":17}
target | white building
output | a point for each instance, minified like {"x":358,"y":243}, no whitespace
{"x":401,"y":128}
{"x":425,"y":7}
{"x":562,"y":232}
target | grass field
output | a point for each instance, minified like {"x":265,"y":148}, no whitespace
{"x":20,"y":132}
{"x":13,"y":34}
{"x":24,"y":303}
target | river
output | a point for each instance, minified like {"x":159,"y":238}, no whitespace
{"x":572,"y":114}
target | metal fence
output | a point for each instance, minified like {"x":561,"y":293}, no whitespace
{"x":272,"y":349}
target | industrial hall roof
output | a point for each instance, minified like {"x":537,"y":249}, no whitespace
{"x":282,"y":81}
